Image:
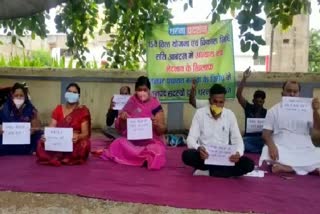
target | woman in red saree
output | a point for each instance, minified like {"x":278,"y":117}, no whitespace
{"x":70,"y":115}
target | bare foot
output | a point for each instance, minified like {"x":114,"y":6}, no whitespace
{"x":65,"y":160}
{"x":278,"y":168}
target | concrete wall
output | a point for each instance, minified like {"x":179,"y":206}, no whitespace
{"x":291,"y":46}
{"x":47,"y":88}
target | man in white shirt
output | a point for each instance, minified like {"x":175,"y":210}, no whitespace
{"x":288,"y":145}
{"x":215,"y":124}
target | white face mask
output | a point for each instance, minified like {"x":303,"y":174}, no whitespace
{"x":71,"y":97}
{"x":18,"y":102}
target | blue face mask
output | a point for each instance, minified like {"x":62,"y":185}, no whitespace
{"x":71,"y":97}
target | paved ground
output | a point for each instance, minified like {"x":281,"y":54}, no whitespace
{"x":25,"y":203}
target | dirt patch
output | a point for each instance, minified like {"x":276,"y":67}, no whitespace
{"x":25,"y":203}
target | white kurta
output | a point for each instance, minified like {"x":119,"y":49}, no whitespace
{"x":293,"y":140}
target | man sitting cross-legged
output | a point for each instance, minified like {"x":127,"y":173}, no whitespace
{"x":288,"y":146}
{"x":215,"y":124}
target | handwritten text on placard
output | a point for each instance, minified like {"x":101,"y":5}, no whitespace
{"x":220,"y":154}
{"x":139,"y":128}
{"x":255,"y":125}
{"x":16,"y":133}
{"x":58,"y":139}
{"x":120,"y":101}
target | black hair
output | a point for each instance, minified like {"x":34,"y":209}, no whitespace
{"x":217,"y":89}
{"x":20,"y":86}
{"x":143,"y":81}
{"x":291,"y":81}
{"x":127,"y":87}
{"x":73,"y":85}
{"x":259,"y":94}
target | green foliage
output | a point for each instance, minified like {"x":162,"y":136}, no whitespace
{"x":314,"y":51}
{"x":279,"y":13}
{"x":42,"y":57}
{"x":37,"y":59}
{"x":78,"y":19}
{"x":128,"y":22}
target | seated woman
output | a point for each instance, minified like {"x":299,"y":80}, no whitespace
{"x":70,"y":115}
{"x":18,"y":108}
{"x":112,"y":114}
{"x":150,"y":153}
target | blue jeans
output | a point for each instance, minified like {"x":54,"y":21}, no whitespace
{"x":253,"y":144}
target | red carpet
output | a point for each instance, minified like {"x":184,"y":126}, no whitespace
{"x":173,"y":186}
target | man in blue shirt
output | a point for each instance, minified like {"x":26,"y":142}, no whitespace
{"x":253,"y":141}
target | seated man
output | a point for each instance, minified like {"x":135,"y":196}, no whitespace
{"x":112,"y":114}
{"x":253,"y":141}
{"x":288,"y":146}
{"x":215,"y":124}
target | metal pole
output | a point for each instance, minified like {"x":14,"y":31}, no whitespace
{"x":271,"y":49}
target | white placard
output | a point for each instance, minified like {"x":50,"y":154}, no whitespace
{"x":16,"y":133}
{"x":120,"y":101}
{"x":296,"y":114}
{"x":254,"y":125}
{"x":58,"y":139}
{"x":297,"y":104}
{"x":139,"y":128}
{"x":219,"y":154}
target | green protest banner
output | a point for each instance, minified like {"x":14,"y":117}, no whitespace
{"x":177,"y":54}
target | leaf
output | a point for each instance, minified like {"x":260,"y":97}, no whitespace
{"x":191,"y":3}
{"x":249,"y":36}
{"x":13,"y":39}
{"x":221,"y":9}
{"x":185,"y":7}
{"x":259,"y":40}
{"x":268,"y":7}
{"x":226,"y":4}
{"x":78,"y":65}
{"x":243,"y":28}
{"x":258,"y":23}
{"x":214,"y":4}
{"x":70,"y":65}
{"x":256,"y":8}
{"x":245,"y":46}
{"x":286,"y":21}
{"x":33,"y":36}
{"x":215,"y":18}
{"x":254,"y":48}
{"x":1,"y":43}
{"x":21,"y":43}
{"x":243,"y":17}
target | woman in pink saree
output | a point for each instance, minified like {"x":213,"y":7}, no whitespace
{"x":149,"y":153}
